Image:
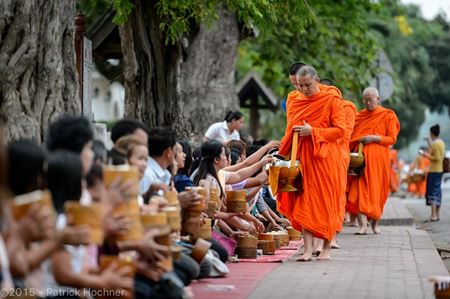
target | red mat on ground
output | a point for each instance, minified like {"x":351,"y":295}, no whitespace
{"x":244,"y":276}
{"x":242,"y":280}
{"x":281,"y":255}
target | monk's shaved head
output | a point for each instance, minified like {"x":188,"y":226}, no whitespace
{"x":371,"y":98}
{"x":371,"y":91}
{"x":307,"y":80}
{"x":307,"y":70}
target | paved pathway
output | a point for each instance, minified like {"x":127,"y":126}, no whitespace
{"x":439,"y":231}
{"x":395,"y":264}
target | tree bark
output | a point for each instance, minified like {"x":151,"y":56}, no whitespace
{"x":38,"y":80}
{"x":151,"y":71}
{"x":207,"y":73}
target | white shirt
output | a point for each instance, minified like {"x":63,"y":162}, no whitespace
{"x":219,"y":131}
{"x":78,"y":257}
{"x":154,"y":174}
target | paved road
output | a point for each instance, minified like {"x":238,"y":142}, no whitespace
{"x":395,"y":264}
{"x":439,"y":231}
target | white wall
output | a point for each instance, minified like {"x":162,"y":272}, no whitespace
{"x":108,"y":99}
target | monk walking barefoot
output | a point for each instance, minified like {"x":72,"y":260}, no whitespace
{"x":377,"y":129}
{"x":308,"y":245}
{"x":325,"y":255}
{"x":318,"y":115}
{"x":375,"y":228}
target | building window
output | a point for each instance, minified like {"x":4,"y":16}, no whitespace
{"x":96,"y":92}
{"x":108,"y":97}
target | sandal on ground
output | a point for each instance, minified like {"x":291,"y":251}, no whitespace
{"x":431,"y":220}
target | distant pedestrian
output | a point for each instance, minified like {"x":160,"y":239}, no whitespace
{"x":436,"y":156}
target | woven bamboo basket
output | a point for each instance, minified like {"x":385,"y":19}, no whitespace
{"x":246,"y":252}
{"x":90,"y":215}
{"x":154,"y":220}
{"x":163,"y":238}
{"x":172,"y":198}
{"x":267,"y":246}
{"x":265,"y":236}
{"x":278,"y":238}
{"x":191,"y":225}
{"x":130,"y":210}
{"x":22,"y":203}
{"x":195,"y":208}
{"x":200,"y":190}
{"x":105,"y":262}
{"x":205,"y":230}
{"x":200,"y":249}
{"x":247,"y":241}
{"x":294,"y":235}
{"x":284,"y":239}
{"x":173,"y":217}
{"x":126,"y":173}
{"x":236,"y":201}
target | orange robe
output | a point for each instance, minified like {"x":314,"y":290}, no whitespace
{"x":350,"y":114}
{"x":419,"y":188}
{"x":368,"y":193}
{"x":393,"y":177}
{"x":317,"y":207}
{"x":422,"y":185}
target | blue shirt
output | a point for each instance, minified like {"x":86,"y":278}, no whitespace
{"x":182,"y":181}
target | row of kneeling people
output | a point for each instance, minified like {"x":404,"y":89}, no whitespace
{"x":142,"y":220}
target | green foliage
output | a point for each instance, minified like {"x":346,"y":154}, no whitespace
{"x":123,"y":9}
{"x":335,"y":38}
{"x":420,"y":61}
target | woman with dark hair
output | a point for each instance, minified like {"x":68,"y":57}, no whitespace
{"x":26,"y":166}
{"x":64,"y":177}
{"x":66,"y":270}
{"x":184,"y":163}
{"x":73,"y":133}
{"x":226,"y":130}
{"x":214,"y":160}
{"x":436,"y":155}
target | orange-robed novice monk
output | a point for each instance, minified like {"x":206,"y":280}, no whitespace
{"x":394,"y":180}
{"x":318,"y":117}
{"x":377,"y":128}
{"x":344,"y":142}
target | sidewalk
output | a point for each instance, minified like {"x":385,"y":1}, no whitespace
{"x":395,"y":213}
{"x":395,"y":264}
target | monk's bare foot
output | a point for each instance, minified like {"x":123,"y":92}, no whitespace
{"x":362,"y":230}
{"x":376,"y":230}
{"x":305,"y":257}
{"x":353,"y":224}
{"x":334,"y":245}
{"x":324,"y":256}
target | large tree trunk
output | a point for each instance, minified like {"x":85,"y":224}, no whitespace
{"x":38,"y":80}
{"x":151,"y":71}
{"x":207,"y":76}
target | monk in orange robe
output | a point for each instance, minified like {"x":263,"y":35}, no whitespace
{"x":318,"y":116}
{"x":393,"y":171}
{"x":350,"y":114}
{"x":377,"y":128}
{"x":420,"y":165}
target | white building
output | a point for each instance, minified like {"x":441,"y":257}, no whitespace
{"x":108,"y":98}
